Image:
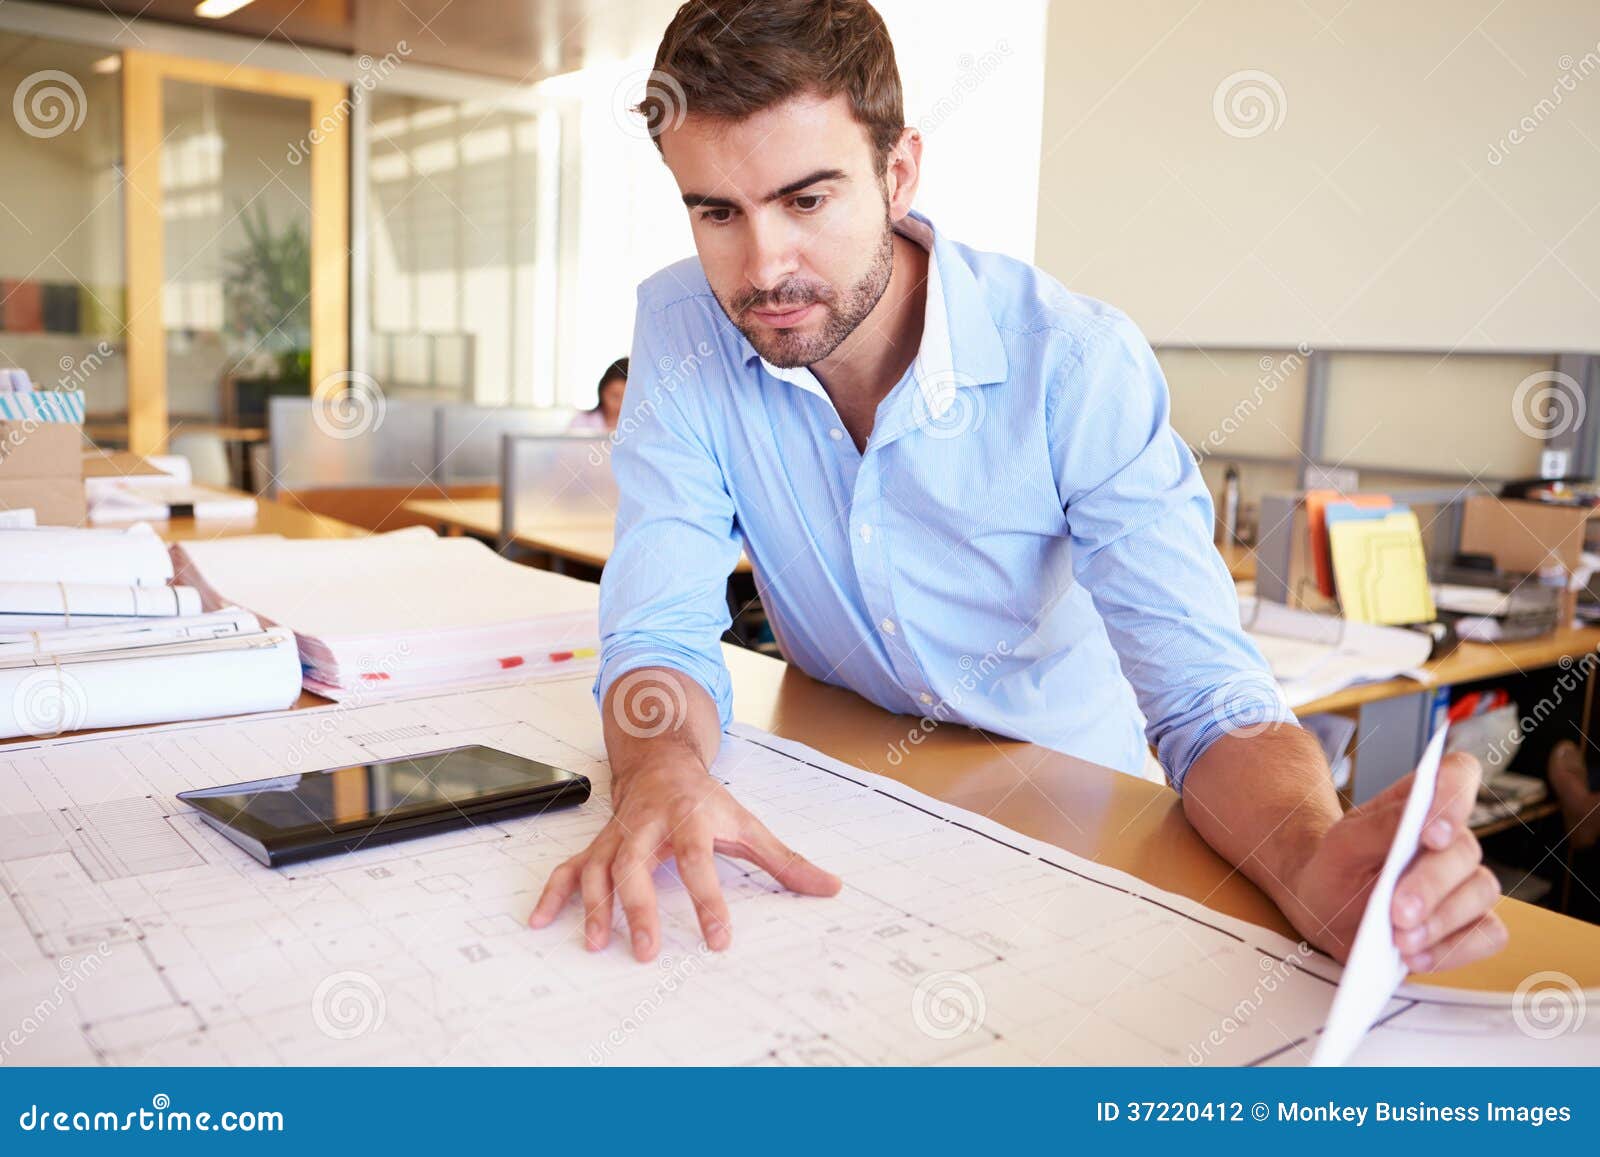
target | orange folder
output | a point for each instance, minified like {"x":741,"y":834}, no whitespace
{"x":1316,"y":513}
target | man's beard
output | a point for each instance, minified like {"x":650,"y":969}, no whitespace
{"x":843,"y":312}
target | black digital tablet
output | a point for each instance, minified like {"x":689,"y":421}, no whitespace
{"x":298,"y":817}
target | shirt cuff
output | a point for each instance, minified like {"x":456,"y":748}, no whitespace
{"x":648,"y":709}
{"x":1244,"y":706}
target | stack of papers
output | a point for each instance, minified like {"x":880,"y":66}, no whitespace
{"x":162,"y":498}
{"x":1314,"y":655}
{"x":92,"y":636}
{"x":134,"y":557}
{"x":401,"y":612}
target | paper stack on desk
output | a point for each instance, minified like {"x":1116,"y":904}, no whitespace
{"x":400,"y":612}
{"x":1314,"y":655}
{"x":92,"y":636}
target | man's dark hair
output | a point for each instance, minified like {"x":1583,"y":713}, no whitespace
{"x":728,"y":59}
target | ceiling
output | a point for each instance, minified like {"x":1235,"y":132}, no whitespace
{"x":517,"y":40}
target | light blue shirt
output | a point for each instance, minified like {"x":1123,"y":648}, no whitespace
{"x":1024,"y":546}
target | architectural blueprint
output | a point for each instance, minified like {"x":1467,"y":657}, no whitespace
{"x":131,"y":933}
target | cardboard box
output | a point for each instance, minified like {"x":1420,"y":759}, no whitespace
{"x":1528,"y":537}
{"x":40,"y":450}
{"x":54,"y":501}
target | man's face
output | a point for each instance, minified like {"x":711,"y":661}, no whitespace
{"x":791,"y":219}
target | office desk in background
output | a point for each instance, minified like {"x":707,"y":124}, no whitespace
{"x":588,"y":545}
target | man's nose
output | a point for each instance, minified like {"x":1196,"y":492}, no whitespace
{"x":774,"y":256}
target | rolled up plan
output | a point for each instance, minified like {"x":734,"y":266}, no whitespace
{"x":124,"y":635}
{"x":51,"y":554}
{"x":160,"y":685}
{"x":46,"y":606}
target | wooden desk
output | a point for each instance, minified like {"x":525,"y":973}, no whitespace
{"x":1102,"y":815}
{"x":271,"y":518}
{"x":588,"y":545}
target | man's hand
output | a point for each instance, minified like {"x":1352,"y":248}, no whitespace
{"x":1443,"y":904}
{"x":1264,"y":800}
{"x":682,"y":815}
{"x":662,"y":734}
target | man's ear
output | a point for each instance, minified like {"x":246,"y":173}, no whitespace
{"x":902,"y":171}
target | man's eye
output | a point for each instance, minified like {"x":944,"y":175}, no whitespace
{"x":809,"y":202}
{"x":717,"y":216}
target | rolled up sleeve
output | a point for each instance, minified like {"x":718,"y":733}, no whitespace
{"x":1140,"y":521}
{"x":663,"y":593}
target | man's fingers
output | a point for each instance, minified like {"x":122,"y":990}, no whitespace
{"x":1453,"y":797}
{"x":1471,"y":900}
{"x":697,"y":869}
{"x":1483,"y":938}
{"x":636,"y":892}
{"x":1431,"y":877}
{"x":596,"y":883}
{"x":557,"y":889}
{"x":783,"y":864}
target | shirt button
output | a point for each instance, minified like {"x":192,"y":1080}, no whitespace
{"x":888,"y":626}
{"x":836,"y":434}
{"x":866,"y":532}
{"x":926,"y":698}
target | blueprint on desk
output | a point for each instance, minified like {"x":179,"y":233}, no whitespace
{"x":131,"y":933}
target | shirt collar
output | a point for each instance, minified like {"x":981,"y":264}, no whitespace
{"x":960,"y":345}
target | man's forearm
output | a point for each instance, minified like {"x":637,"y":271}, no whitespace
{"x":1263,"y":802}
{"x":658,"y":717}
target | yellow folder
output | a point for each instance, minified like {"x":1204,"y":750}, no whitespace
{"x":1380,"y":569}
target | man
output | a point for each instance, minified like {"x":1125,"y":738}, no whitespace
{"x":929,"y":454}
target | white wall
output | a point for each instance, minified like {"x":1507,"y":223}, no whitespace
{"x":1382,"y":199}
